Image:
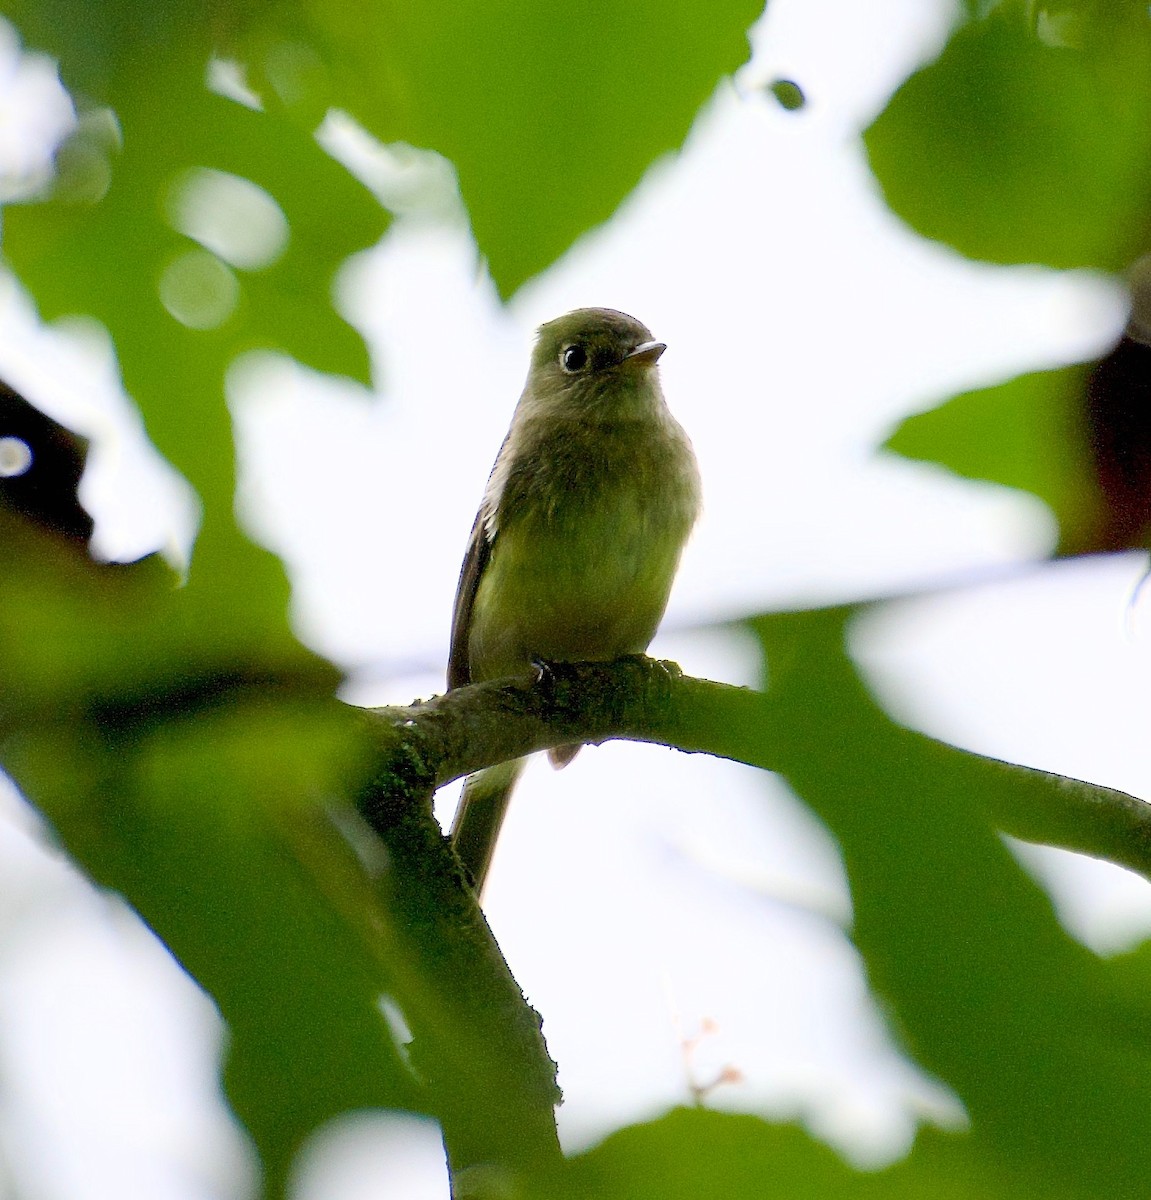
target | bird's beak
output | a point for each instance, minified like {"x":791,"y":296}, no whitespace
{"x":646,"y":352}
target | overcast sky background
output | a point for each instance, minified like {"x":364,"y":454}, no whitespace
{"x":670,"y":916}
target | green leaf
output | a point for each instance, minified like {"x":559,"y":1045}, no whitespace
{"x":693,"y":1153}
{"x":197,"y":786}
{"x":1014,"y":150}
{"x":1051,"y":1059}
{"x":550,"y":113}
{"x":1027,"y":433}
{"x":178,"y":315}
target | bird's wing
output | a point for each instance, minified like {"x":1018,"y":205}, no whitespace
{"x":475,"y":560}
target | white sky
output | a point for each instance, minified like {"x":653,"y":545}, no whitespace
{"x":802,"y":321}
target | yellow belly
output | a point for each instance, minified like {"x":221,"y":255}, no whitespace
{"x":591,"y":584}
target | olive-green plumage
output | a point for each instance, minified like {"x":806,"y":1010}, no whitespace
{"x":578,"y":537}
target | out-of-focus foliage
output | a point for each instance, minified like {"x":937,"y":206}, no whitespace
{"x":692,"y":1153}
{"x":191,"y":782}
{"x":1028,"y":433}
{"x":551,"y":113}
{"x":489,"y":85}
{"x":187,"y":751}
{"x":107,"y":245}
{"x":1029,"y":140}
{"x":1077,"y":437}
{"x":985,"y":986}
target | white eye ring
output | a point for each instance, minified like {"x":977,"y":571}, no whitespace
{"x":15,"y":457}
{"x":573,"y":359}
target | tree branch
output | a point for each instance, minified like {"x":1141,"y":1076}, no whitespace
{"x":477,"y":1043}
{"x":634,"y":698}
{"x":643,"y":699}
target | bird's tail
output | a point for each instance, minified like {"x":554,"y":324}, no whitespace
{"x":480,"y":815}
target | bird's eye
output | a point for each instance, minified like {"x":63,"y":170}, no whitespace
{"x":573,"y":359}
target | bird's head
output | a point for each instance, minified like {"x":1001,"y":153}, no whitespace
{"x":593,"y":356}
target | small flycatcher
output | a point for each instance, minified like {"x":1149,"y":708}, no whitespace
{"x":579,"y":533}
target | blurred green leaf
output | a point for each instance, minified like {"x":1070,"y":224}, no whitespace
{"x":693,"y":1153}
{"x":197,"y":786}
{"x":105,"y":45}
{"x":987,"y":990}
{"x":550,"y":113}
{"x":178,"y":316}
{"x":1027,"y":433}
{"x":1015,"y":150}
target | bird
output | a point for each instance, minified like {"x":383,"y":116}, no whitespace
{"x":579,"y":534}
